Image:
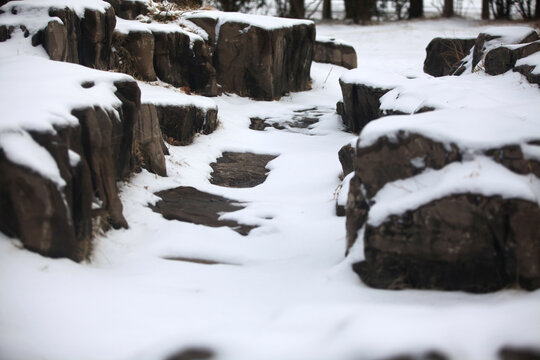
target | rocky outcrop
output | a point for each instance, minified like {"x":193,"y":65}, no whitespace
{"x":240,"y":170}
{"x":252,"y":59}
{"x":443,"y":55}
{"x":346,"y":158}
{"x":331,"y":51}
{"x":86,"y":41}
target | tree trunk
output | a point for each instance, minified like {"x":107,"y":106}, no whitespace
{"x":485,"y":9}
{"x":416,"y":9}
{"x":327,"y":9}
{"x":298,"y":10}
{"x":448,"y":9}
{"x":537,"y":10}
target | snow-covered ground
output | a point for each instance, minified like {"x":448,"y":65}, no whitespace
{"x":290,"y":294}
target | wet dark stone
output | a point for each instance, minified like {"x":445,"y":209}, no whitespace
{"x":188,"y":204}
{"x":197,"y":261}
{"x":431,"y":355}
{"x":240,"y":170}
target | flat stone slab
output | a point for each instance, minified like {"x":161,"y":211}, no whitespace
{"x":188,"y":204}
{"x":240,"y":170}
{"x":198,"y":261}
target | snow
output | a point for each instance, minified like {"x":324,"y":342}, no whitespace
{"x":378,"y":79}
{"x":480,"y":176}
{"x":127,"y":26}
{"x":508,"y":34}
{"x":331,"y":40}
{"x":161,"y":95}
{"x":293,"y":295}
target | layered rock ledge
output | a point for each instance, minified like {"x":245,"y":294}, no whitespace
{"x":332,"y":51}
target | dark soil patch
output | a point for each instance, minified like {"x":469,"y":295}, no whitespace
{"x":188,"y":204}
{"x":240,"y":170}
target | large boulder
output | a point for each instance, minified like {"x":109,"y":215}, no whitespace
{"x":134,"y":54}
{"x":61,"y":163}
{"x":504,"y":58}
{"x":256,"y":56}
{"x":442,"y":55}
{"x":332,"y":51}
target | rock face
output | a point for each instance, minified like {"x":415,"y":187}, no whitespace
{"x":360,"y":105}
{"x":179,"y":62}
{"x":460,"y":242}
{"x":149,"y":147}
{"x":134,"y":54}
{"x":443,"y":55}
{"x":180,"y":123}
{"x":86,"y":41}
{"x":262,"y":63}
{"x":334,"y":52}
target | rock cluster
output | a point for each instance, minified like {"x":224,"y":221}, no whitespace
{"x":421,"y":224}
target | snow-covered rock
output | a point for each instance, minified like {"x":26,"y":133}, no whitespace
{"x":332,"y":51}
{"x":443,"y":54}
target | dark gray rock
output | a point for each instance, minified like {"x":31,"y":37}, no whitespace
{"x":240,"y":170}
{"x":129,"y":10}
{"x":149,"y":141}
{"x":86,"y":41}
{"x":191,"y":205}
{"x":442,"y":55}
{"x":462,"y":242}
{"x":180,"y":63}
{"x":260,"y":63}
{"x":180,"y":123}
{"x":346,"y":158}
{"x":502,"y":59}
{"x":360,"y":105}
{"x":332,"y":52}
{"x":134,"y":54}
{"x":519,"y":353}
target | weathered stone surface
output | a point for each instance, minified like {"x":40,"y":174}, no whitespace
{"x":135,"y":54}
{"x":179,"y":63}
{"x":332,"y":52}
{"x":430,"y":355}
{"x":346,"y":158}
{"x":460,"y":242}
{"x":180,"y":123}
{"x":502,"y":59}
{"x":240,"y":170}
{"x":442,"y":55}
{"x":260,"y":63}
{"x":149,"y":141}
{"x":191,"y":205}
{"x":86,"y":41}
{"x":527,"y":71}
{"x":360,"y":105}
